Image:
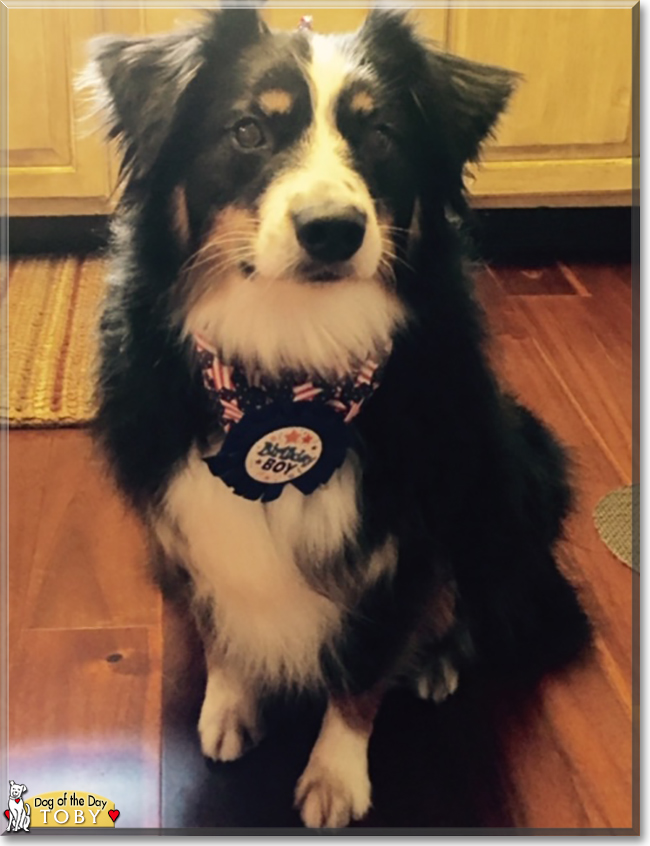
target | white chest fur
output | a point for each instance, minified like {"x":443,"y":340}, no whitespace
{"x":242,"y":556}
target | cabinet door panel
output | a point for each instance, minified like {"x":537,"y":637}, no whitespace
{"x":52,"y":152}
{"x":576,"y":95}
{"x":38,"y":127}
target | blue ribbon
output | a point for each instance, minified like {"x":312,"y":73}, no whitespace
{"x":230,"y":462}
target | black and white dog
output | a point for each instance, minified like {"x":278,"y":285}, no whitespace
{"x":293,"y":391}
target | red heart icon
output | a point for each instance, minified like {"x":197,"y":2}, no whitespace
{"x":16,"y":801}
{"x":7,"y":814}
{"x":114,"y":814}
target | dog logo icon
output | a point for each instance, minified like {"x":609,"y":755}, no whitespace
{"x":18,"y":813}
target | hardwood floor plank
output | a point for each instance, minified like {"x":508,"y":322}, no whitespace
{"x":606,"y":586}
{"x":29,"y":456}
{"x":572,"y":758}
{"x":536,"y":280}
{"x":592,"y":727}
{"x":545,"y":793}
{"x":80,"y":719}
{"x":86,"y":556}
{"x":586,"y":358}
{"x":78,"y":593}
{"x":605,"y":583}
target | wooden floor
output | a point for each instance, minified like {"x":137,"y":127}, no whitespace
{"x":105,"y":679}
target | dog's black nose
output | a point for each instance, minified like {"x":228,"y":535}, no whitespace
{"x":330,"y":235}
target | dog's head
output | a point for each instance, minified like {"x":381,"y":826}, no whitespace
{"x":290,"y":165}
{"x":16,"y":790}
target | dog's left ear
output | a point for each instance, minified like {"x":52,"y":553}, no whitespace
{"x":469,"y":96}
{"x":459,"y":100}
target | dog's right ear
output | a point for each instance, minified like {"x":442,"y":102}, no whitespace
{"x":138,"y":83}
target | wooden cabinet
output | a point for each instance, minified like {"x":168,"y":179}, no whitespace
{"x":567,"y":135}
{"x":56,"y":163}
{"x":566,"y":139}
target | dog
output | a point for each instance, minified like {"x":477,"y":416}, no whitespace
{"x":293,"y":390}
{"x":19,"y":811}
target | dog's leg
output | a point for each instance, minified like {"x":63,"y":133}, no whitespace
{"x":228,"y":724}
{"x":335,"y":786}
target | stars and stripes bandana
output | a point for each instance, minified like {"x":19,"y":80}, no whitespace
{"x":291,"y":430}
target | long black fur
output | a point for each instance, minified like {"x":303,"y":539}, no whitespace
{"x":484,"y":490}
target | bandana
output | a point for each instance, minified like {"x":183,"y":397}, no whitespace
{"x":291,"y":430}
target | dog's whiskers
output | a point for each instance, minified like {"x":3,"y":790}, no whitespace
{"x":387,"y":227}
{"x":216,"y":245}
{"x":390,"y":256}
{"x":232,"y":258}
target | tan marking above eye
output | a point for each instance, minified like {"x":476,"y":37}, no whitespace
{"x":276,"y":101}
{"x":362,"y":102}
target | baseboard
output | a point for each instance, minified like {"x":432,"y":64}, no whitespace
{"x":79,"y":234}
{"x":500,"y":235}
{"x":546,"y":234}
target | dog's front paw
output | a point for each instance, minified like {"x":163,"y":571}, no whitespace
{"x":439,"y":683}
{"x":330,"y":796}
{"x":225,"y":736}
{"x":228,"y":725}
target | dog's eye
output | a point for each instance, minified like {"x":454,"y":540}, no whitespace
{"x":382,"y":134}
{"x":380,"y":138}
{"x":248,"y":134}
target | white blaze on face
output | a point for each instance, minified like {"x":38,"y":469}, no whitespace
{"x":323,"y":173}
{"x":273,"y":320}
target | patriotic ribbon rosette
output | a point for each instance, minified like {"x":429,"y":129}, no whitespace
{"x":279,"y":432}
